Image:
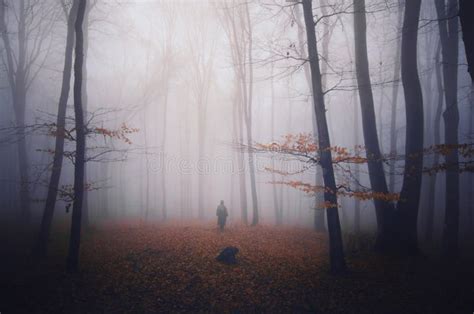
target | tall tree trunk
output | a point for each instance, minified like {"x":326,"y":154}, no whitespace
{"x":437,"y":140}
{"x":20,"y":108}
{"x":393,"y":115}
{"x":75,"y":237}
{"x":384,"y":210}
{"x":85,"y":105}
{"x":248,"y":120}
{"x":147,"y":165}
{"x":42,"y":242}
{"x":241,"y":165}
{"x":278,"y":218}
{"x":319,"y":219}
{"x":357,"y":166}
{"x":407,"y":206}
{"x":17,"y":77}
{"x":466,"y":10}
{"x":163,"y":144}
{"x":448,"y":29}
{"x":238,"y":53}
{"x":470,"y":183}
{"x":336,"y":251}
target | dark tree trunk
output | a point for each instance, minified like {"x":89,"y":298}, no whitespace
{"x":241,"y":164}
{"x":336,"y":251}
{"x":248,"y":120}
{"x":384,"y":210}
{"x":393,"y":115}
{"x":42,"y":242}
{"x":448,"y":29}
{"x":75,"y":237}
{"x":163,"y":138}
{"x":237,"y":55}
{"x":356,"y":166}
{"x":278,"y":216}
{"x":85,"y":106}
{"x":318,"y":219}
{"x":17,"y":79}
{"x":466,"y":12}
{"x":407,"y":207}
{"x":437,"y":140}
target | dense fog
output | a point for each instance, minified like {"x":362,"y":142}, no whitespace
{"x":236,"y":156}
{"x":167,"y":73}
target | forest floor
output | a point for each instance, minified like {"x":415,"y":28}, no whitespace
{"x":131,"y":268}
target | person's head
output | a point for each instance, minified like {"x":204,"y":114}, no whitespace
{"x":222,"y":202}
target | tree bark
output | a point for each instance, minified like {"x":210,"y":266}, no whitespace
{"x":466,"y":11}
{"x":248,"y":120}
{"x":75,"y":237}
{"x":437,"y":140}
{"x":393,"y":115}
{"x":336,"y":251}
{"x":17,"y":78}
{"x":318,"y":219}
{"x":383,"y":209}
{"x":278,"y":216}
{"x":85,"y":105}
{"x":407,"y":206}
{"x":448,"y":29}
{"x":42,"y":242}
{"x":356,"y":166}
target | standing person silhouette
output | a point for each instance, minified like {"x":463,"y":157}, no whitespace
{"x":221,"y":214}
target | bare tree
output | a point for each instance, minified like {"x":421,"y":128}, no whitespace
{"x":466,"y":8}
{"x":248,"y":114}
{"x":393,"y":109}
{"x":407,"y":206}
{"x":42,"y":242}
{"x":202,"y":63}
{"x":236,"y":22}
{"x":448,"y":29}
{"x":437,"y":141}
{"x":319,"y":217}
{"x":335,"y":238}
{"x":75,"y":237}
{"x":384,"y":210}
{"x":33,"y":25}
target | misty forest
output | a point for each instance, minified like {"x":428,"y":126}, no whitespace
{"x":234,"y":156}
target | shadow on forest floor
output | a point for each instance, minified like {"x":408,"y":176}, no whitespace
{"x":172,"y":268}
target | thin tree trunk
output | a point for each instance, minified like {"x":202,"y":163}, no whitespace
{"x":357,"y":166}
{"x":319,"y":219}
{"x":163,"y":144}
{"x":17,"y":81}
{"x":448,"y":29}
{"x":437,"y":140}
{"x":42,"y":242}
{"x":336,"y":251}
{"x":384,"y":210}
{"x":393,"y":115}
{"x":241,"y":165}
{"x":248,"y":120}
{"x":240,"y":103}
{"x":85,"y":106}
{"x":278,"y":218}
{"x":470,"y":184}
{"x":75,"y":237}
{"x":466,"y":9}
{"x":407,"y":206}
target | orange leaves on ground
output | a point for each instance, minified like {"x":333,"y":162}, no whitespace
{"x":173,"y":266}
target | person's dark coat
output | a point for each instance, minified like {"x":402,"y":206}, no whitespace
{"x":221,"y":214}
